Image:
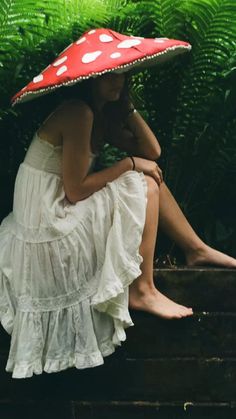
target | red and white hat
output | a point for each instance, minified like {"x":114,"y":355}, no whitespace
{"x":96,"y":52}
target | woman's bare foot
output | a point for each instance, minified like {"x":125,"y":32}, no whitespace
{"x":153,"y":301}
{"x":206,"y":255}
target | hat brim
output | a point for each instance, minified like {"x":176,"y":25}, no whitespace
{"x":135,"y":67}
{"x":136,"y":61}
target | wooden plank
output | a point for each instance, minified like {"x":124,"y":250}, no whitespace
{"x":165,"y":380}
{"x":162,"y":379}
{"x":203,"y":334}
{"x":176,"y":379}
{"x":116,"y":410}
{"x":155,"y":410}
{"x":202,"y":289}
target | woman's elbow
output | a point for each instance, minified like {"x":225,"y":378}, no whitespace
{"x":156,"y":153}
{"x":72,"y":198}
{"x":72,"y":195}
{"x":155,"y":149}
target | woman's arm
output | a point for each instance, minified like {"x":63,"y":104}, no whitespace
{"x":137,"y":138}
{"x":76,"y":127}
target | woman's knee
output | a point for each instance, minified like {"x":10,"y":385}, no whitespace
{"x":153,"y":187}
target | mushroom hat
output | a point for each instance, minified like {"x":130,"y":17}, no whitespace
{"x":97,"y":52}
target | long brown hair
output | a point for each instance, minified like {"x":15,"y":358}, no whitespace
{"x":114,"y":112}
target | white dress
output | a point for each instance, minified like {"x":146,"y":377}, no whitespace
{"x":65,"y":269}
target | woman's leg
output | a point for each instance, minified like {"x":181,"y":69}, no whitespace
{"x":143,"y":294}
{"x":176,"y":226}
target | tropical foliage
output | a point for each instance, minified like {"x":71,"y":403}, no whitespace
{"x":189,"y":102}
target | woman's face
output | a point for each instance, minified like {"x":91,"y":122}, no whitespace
{"x":108,"y":87}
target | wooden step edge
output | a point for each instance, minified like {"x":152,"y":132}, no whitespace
{"x":122,"y":403}
{"x":199,"y":314}
{"x":181,"y":358}
{"x":139,"y":403}
{"x":153,"y":410}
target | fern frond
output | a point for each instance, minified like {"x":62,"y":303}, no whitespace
{"x":199,"y":80}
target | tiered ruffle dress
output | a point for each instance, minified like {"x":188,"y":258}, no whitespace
{"x":65,"y":269}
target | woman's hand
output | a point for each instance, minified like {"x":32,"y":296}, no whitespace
{"x":149,"y":167}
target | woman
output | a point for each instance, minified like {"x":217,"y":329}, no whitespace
{"x":78,"y":248}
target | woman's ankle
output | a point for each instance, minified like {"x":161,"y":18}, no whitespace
{"x":195,"y":253}
{"x":142,"y":287}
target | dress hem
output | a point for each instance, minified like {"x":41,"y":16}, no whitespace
{"x":78,"y":361}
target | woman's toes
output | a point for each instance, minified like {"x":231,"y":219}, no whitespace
{"x":187,"y":312}
{"x":186,"y":309}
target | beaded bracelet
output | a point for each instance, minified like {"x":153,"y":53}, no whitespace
{"x":133,"y":162}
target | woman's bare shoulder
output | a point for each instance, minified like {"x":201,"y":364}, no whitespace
{"x":68,"y":113}
{"x":75,"y":116}
{"x":71,"y":108}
